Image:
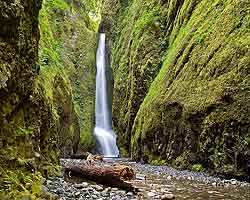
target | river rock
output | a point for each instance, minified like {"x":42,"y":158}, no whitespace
{"x":60,"y":191}
{"x":140,"y":177}
{"x":107,"y":190}
{"x":167,"y":197}
{"x":96,"y":193}
{"x":81,"y":185}
{"x":77,"y":194}
{"x":129,"y":194}
{"x":104,"y":194}
{"x":112,"y":194}
{"x":97,"y":187}
{"x":49,"y":182}
{"x":114,"y":189}
{"x":151,"y":194}
{"x":121,"y":192}
{"x":233,"y":181}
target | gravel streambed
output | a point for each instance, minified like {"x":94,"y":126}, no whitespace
{"x":153,"y":182}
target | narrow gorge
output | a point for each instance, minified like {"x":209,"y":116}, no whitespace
{"x":163,"y":84}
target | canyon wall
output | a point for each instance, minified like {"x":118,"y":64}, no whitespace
{"x":181,"y":82}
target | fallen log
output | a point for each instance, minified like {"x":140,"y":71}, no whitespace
{"x":114,"y":176}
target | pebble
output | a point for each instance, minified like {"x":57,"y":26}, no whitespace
{"x":140,"y":177}
{"x":60,"y":191}
{"x":167,"y":196}
{"x":81,"y":185}
{"x":165,"y":184}
{"x":114,"y":189}
{"x":97,"y":187}
{"x":96,"y":193}
{"x":121,"y":192}
{"x":129,"y":194}
{"x":49,"y":182}
{"x":233,"y":182}
{"x":107,"y":190}
{"x":151,"y":194}
{"x":105,"y":194}
{"x":112,"y":194}
{"x":77,"y":194}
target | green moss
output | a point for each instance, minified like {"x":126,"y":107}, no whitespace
{"x":18,"y":183}
{"x":198,"y":168}
{"x":28,"y":134}
{"x":123,"y":152}
{"x":37,"y":114}
{"x":67,"y":58}
{"x":185,"y":86}
{"x":158,"y":162}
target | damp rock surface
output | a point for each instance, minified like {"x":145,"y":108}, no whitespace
{"x":181,"y":82}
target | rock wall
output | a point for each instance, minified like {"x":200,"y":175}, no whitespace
{"x":67,"y":58}
{"x":181,"y":82}
{"x":27,"y":130}
{"x":47,"y":89}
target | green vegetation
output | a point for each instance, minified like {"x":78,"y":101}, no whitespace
{"x":67,"y":59}
{"x":18,"y":184}
{"x":47,"y":103}
{"x":183,"y":67}
{"x":28,"y":139}
{"x":181,"y":84}
{"x":198,"y":168}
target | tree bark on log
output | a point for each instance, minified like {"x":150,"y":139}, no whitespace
{"x":114,"y":176}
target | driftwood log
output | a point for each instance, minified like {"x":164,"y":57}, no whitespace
{"x":114,"y":176}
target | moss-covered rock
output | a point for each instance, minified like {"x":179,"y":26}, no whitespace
{"x":67,"y":58}
{"x":181,"y":78}
{"x":46,"y":104}
{"x":28,"y":140}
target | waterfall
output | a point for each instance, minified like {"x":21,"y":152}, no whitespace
{"x":103,"y":122}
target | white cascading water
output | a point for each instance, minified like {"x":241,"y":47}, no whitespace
{"x":103,"y":122}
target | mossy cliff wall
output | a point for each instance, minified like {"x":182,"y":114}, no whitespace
{"x":27,"y":129}
{"x":181,"y":81}
{"x":46,"y":89}
{"x":67,"y":58}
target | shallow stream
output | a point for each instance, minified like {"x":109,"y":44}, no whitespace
{"x":153,"y":182}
